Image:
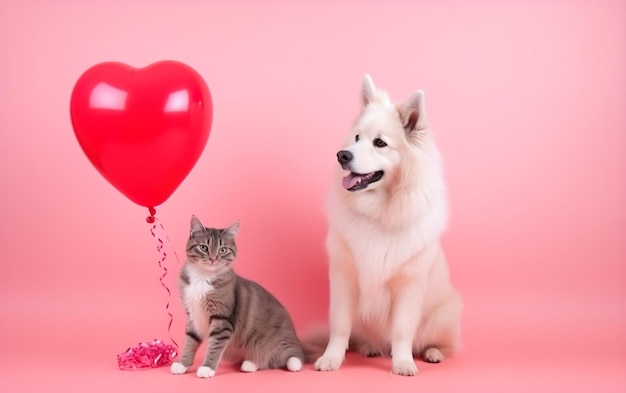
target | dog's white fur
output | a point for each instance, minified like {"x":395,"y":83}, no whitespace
{"x":390,"y":290}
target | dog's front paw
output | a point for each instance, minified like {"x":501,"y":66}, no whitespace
{"x":178,"y":368}
{"x":205,"y":372}
{"x":328,"y":363}
{"x":404,"y":367}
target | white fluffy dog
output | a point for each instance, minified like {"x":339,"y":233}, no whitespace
{"x":390,"y":291}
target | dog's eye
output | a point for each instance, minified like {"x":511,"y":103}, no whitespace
{"x":379,"y":142}
{"x":356,"y":138}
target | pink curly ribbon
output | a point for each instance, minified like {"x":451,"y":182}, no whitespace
{"x":155,"y":353}
{"x":147,"y":355}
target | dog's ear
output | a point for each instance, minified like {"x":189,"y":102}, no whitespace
{"x":367,"y":90}
{"x":413,"y":113}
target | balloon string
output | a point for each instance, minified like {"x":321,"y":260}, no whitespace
{"x":160,"y":245}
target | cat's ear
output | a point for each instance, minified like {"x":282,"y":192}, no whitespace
{"x":196,"y":226}
{"x":231,"y":231}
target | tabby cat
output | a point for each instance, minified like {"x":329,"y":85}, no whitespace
{"x":239,"y":318}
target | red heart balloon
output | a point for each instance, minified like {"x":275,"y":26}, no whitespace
{"x":144,"y":129}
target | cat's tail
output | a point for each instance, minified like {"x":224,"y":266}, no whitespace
{"x":314,"y":343}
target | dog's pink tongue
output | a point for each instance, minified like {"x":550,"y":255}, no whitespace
{"x":350,"y":181}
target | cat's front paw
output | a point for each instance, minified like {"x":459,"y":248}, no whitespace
{"x":205,"y":372}
{"x":248,"y":366}
{"x":404,"y":367}
{"x":177,"y":368}
{"x":328,"y":362}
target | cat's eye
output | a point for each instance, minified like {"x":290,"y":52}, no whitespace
{"x":203,"y":247}
{"x":223,"y":251}
{"x":356,"y":138}
{"x":379,"y":142}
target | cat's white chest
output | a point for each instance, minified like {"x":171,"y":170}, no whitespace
{"x":195,"y":301}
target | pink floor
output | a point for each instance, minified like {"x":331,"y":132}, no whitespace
{"x":511,"y":344}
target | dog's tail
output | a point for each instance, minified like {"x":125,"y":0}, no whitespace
{"x":314,"y":343}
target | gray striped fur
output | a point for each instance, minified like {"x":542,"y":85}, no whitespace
{"x":237,"y":317}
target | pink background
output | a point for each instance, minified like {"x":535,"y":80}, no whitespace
{"x":528,"y":100}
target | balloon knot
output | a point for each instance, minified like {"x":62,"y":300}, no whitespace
{"x":150,"y":219}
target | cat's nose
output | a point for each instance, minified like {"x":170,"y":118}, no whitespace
{"x":344,"y":157}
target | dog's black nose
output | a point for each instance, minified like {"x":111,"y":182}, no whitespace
{"x":344,"y":157}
